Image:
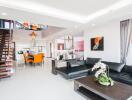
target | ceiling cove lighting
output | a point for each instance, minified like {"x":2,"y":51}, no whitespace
{"x":37,"y":8}
{"x":3,"y":13}
{"x":34,"y":7}
{"x":93,"y":25}
{"x":112,"y":8}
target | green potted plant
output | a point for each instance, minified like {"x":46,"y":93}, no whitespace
{"x":102,"y":74}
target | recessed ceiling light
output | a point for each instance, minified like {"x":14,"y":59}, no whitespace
{"x":4,"y":14}
{"x":75,"y":26}
{"x":93,"y":24}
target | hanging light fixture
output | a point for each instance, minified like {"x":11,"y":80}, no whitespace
{"x":34,"y":27}
{"x":33,"y":35}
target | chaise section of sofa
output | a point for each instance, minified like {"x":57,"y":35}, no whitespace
{"x":74,"y":72}
{"x":120,"y":72}
{"x":125,"y":76}
{"x":76,"y":68}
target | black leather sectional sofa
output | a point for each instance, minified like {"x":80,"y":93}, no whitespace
{"x":75,"y":68}
{"x":120,"y":72}
{"x":81,"y":68}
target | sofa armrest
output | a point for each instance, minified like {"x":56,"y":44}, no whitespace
{"x":75,"y":63}
{"x":91,"y":61}
{"x":127,"y":69}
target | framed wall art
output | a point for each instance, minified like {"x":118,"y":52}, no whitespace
{"x":97,"y":44}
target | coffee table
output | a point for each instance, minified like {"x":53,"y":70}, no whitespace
{"x":89,"y":88}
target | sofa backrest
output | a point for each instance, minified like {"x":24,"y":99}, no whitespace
{"x":91,"y":61}
{"x":114,"y":66}
{"x":74,"y":63}
{"x":127,"y":69}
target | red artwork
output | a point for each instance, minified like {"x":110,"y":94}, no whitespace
{"x":60,"y":46}
{"x":79,"y":46}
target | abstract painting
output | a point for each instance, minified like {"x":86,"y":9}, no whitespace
{"x":97,"y":44}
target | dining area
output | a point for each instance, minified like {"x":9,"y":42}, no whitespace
{"x":30,"y":58}
{"x":33,"y":59}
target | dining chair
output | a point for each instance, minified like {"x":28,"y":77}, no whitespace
{"x":38,"y":58}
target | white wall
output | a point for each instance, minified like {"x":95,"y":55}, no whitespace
{"x":111,"y":34}
{"x":21,"y":36}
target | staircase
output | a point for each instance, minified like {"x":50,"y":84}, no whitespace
{"x":4,"y":44}
{"x":6,"y":52}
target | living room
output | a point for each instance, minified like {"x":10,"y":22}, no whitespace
{"x":85,"y":53}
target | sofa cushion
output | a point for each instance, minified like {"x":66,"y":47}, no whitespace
{"x":74,"y":63}
{"x":127,"y":69}
{"x":61,"y":63}
{"x":81,"y":62}
{"x":114,"y":66}
{"x":121,"y":77}
{"x":92,"y":61}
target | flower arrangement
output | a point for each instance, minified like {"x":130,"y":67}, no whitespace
{"x":102,"y":74}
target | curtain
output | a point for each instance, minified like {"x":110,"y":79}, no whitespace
{"x":125,"y":34}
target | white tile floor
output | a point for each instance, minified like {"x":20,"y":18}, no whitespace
{"x":37,"y":83}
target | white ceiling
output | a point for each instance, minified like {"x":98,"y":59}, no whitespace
{"x":35,"y":18}
{"x":66,"y":13}
{"x":80,"y":7}
{"x":51,"y":30}
{"x":117,"y":16}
